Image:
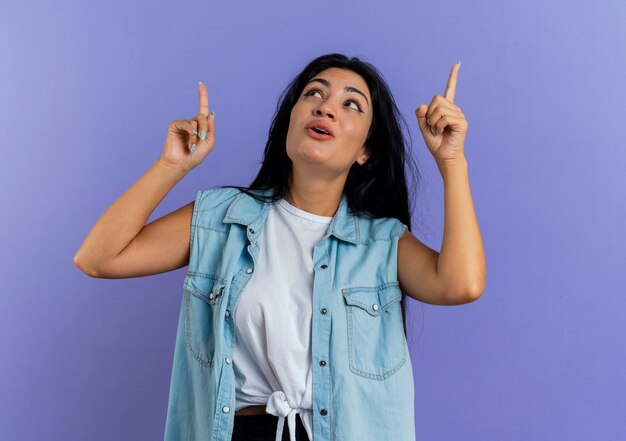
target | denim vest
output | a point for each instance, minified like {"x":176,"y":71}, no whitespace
{"x":361,"y":368}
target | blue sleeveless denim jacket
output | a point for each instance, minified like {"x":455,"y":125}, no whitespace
{"x":361,"y":368}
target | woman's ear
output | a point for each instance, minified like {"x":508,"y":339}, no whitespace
{"x":364,"y":156}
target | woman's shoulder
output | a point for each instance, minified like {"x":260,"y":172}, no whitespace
{"x":237,"y":199}
{"x":380,"y":228}
{"x":213,"y":197}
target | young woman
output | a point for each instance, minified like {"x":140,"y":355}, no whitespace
{"x":293,"y":304}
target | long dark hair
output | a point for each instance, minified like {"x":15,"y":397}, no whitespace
{"x":377,"y":188}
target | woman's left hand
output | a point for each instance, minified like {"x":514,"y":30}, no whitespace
{"x":443,"y":125}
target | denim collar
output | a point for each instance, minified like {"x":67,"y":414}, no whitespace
{"x":246,"y":210}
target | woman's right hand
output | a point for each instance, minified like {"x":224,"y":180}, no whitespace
{"x":184,"y":133}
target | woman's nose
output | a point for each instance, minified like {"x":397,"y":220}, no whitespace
{"x":324,"y":110}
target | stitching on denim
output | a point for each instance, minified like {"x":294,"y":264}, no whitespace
{"x":246,"y":277}
{"x":352,"y":356}
{"x":216,"y":426}
{"x":385,"y":375}
{"x":330,"y":384}
{"x":209,"y":361}
{"x":378,"y":239}
{"x":218,"y":202}
{"x":379,"y":287}
{"x":231,"y":418}
{"x":368,"y":306}
{"x":239,"y":219}
{"x":237,"y":280}
{"x":217,"y":289}
{"x":217,"y":294}
{"x":203,"y":227}
{"x":214,"y":277}
{"x":232,"y":206}
{"x":375,"y":289}
{"x":194,"y":217}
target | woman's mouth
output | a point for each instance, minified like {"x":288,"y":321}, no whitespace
{"x":318,"y":134}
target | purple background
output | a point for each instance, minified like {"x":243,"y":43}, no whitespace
{"x":88,"y":89}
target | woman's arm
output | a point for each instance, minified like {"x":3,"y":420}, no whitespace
{"x":461,"y":264}
{"x":457,"y":274}
{"x":116,"y":234}
{"x":120,"y":244}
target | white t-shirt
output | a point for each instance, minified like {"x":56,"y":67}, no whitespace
{"x":272,"y":358}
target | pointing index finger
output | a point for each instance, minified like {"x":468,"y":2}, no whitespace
{"x":203,"y":107}
{"x":451,"y":86}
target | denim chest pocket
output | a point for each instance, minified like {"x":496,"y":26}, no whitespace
{"x":203,"y":296}
{"x":376,"y":341}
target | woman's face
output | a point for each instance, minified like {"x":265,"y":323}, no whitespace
{"x":341,"y":99}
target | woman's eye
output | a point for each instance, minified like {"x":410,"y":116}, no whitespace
{"x":311,"y":92}
{"x":356,"y":105}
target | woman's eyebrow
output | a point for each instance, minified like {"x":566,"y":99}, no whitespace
{"x":347,"y":88}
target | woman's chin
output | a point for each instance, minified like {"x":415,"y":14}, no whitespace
{"x":312,"y":154}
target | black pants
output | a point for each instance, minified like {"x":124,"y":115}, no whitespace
{"x":263,"y":428}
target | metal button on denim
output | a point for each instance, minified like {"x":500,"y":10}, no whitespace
{"x":225,"y":409}
{"x":375,"y":307}
{"x":249,"y":270}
